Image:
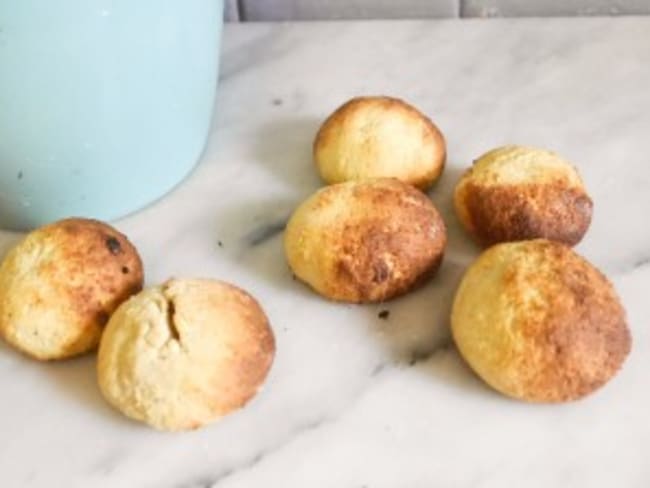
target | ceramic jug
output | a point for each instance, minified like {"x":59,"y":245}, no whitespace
{"x":105,"y":105}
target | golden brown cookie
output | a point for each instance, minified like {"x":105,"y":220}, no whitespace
{"x":183,"y":354}
{"x":59,"y":285}
{"x":365,"y":241}
{"x":373,"y":137}
{"x":514,"y":193}
{"x":539,"y":323}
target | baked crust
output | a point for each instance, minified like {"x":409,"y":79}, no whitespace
{"x":181,"y":355}
{"x":365,"y":241}
{"x":539,"y":323}
{"x":374,"y":137}
{"x":59,"y":285}
{"x":516,"y":193}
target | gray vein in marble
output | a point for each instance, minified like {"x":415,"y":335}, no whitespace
{"x":266,"y":232}
{"x":105,"y":465}
{"x":417,"y":357}
{"x":258,"y":457}
{"x":641,"y":262}
{"x":201,"y":483}
{"x":378,"y":369}
{"x":628,"y":266}
{"x":421,"y":355}
{"x":295,"y":434}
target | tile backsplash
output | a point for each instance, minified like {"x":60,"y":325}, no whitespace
{"x":281,"y":10}
{"x":231,"y":11}
{"x":346,"y":9}
{"x":550,"y":8}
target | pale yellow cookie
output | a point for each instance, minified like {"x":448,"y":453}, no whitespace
{"x":373,"y":137}
{"x":365,"y":241}
{"x":514,"y":193}
{"x":539,"y":323}
{"x":183,"y":354}
{"x":59,"y":285}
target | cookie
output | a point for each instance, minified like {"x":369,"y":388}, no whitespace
{"x":365,"y":241}
{"x":514,"y":193}
{"x":59,"y":285}
{"x":373,"y":137}
{"x":181,"y":355}
{"x":539,"y":323}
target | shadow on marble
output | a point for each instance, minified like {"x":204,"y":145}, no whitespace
{"x":415,"y":328}
{"x":416,"y":325}
{"x":415,"y":331}
{"x":250,"y":235}
{"x":15,"y":358}
{"x":460,"y":246}
{"x":77,"y":378}
{"x":284,"y":147}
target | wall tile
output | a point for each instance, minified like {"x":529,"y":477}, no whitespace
{"x":346,"y":9}
{"x":231,"y":12}
{"x":548,"y":8}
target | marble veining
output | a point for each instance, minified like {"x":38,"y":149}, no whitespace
{"x":263,"y":233}
{"x":373,"y":396}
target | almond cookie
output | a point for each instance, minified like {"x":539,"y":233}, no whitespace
{"x":539,"y":323}
{"x":514,"y":193}
{"x":181,"y":355}
{"x":59,"y":285}
{"x":373,"y":137}
{"x":365,"y":241}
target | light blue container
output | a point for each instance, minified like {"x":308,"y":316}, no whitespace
{"x":105,"y":105}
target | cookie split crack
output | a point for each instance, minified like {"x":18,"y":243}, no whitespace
{"x":170,"y":316}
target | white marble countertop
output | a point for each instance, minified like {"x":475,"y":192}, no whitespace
{"x":354,"y":401}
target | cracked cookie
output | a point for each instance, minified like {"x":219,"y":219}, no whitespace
{"x":181,"y":355}
{"x":59,"y":285}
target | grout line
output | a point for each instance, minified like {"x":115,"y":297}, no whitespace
{"x":240,"y":10}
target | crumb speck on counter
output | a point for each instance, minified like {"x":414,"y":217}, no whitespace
{"x":277,"y":102}
{"x":384,"y":314}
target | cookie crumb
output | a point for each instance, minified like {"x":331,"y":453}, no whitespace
{"x":219,"y":243}
{"x":384,"y":314}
